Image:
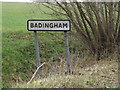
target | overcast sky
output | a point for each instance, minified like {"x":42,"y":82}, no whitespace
{"x":15,"y":0}
{"x":66,"y":0}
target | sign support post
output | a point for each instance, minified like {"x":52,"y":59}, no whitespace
{"x":67,"y":51}
{"x":37,"y":52}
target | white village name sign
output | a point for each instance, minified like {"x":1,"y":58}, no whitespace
{"x":48,"y":25}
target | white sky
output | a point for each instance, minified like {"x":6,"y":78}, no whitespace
{"x":51,"y":0}
{"x":26,"y":0}
{"x":15,"y":0}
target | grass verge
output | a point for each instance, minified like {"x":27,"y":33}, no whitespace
{"x":102,"y":74}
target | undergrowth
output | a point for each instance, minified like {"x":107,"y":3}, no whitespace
{"x":96,"y":74}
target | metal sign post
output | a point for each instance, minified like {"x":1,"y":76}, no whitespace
{"x":67,"y":51}
{"x":37,"y":52}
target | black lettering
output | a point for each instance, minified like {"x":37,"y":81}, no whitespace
{"x":65,"y":25}
{"x":47,"y":25}
{"x":31,"y":25}
{"x":40,"y":25}
{"x":51,"y":25}
{"x":43,"y":25}
{"x":36,"y":25}
{"x":60,"y":25}
{"x":55,"y":25}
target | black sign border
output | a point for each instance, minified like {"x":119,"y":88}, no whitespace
{"x":47,"y":20}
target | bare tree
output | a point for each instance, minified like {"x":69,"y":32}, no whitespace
{"x":98,"y":23}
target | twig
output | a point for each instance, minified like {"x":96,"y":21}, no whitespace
{"x":35,"y":72}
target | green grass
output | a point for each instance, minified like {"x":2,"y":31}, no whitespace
{"x":18,"y":51}
{"x":15,"y":15}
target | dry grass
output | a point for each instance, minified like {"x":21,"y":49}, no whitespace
{"x":87,"y":74}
